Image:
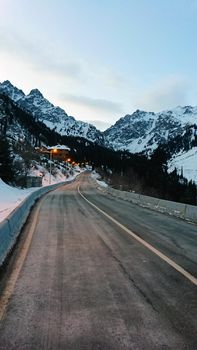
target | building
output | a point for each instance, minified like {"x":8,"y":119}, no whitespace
{"x":59,"y":152}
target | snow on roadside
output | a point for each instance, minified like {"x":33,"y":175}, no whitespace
{"x":41,"y":171}
{"x":11,"y":197}
{"x":96,"y":177}
{"x":102,"y":183}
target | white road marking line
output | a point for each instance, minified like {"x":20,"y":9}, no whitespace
{"x":10,"y":284}
{"x":177,"y":267}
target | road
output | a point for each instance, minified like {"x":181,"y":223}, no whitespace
{"x":78,"y":280}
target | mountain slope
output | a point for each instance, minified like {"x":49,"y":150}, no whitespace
{"x":20,"y":133}
{"x":185,"y":163}
{"x":141,"y":132}
{"x":175,"y":130}
{"x":53,"y":117}
{"x":145,"y":131}
{"x":13,"y":92}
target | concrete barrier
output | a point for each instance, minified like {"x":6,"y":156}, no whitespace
{"x":133,"y":197}
{"x":173,"y":208}
{"x":149,"y":201}
{"x":180,"y":210}
{"x":191,"y":213}
{"x":10,"y":227}
{"x":4,"y":238}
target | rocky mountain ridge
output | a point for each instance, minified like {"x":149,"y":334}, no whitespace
{"x":174,"y":130}
{"x":53,"y":117}
{"x":145,"y":131}
{"x":140,"y":132}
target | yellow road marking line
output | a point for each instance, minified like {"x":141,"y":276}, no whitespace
{"x":177,"y":267}
{"x":10,"y":284}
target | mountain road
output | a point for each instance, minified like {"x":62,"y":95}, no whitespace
{"x":95,"y":272}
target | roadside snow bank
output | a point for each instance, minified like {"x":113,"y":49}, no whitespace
{"x":96,"y":177}
{"x":11,"y":197}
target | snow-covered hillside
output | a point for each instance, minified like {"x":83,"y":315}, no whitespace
{"x":145,"y":131}
{"x":139,"y":132}
{"x":53,"y":117}
{"x":11,"y":197}
{"x":185,"y":163}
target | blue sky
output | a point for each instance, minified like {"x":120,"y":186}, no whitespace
{"x":102,"y":59}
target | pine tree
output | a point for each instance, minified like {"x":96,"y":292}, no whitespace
{"x":6,"y":167}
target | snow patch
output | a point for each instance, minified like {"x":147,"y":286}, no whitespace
{"x":186,"y":162}
{"x":96,"y":177}
{"x":11,"y":197}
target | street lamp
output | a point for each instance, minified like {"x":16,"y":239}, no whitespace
{"x":52,"y":150}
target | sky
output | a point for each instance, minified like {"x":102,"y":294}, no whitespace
{"x":102,"y":59}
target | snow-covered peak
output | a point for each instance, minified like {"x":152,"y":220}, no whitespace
{"x":144,"y":131}
{"x":6,"y":83}
{"x":13,"y":92}
{"x":35,"y":93}
{"x":57,"y":119}
{"x":185,"y":114}
{"x":142,"y":114}
{"x":54,"y":117}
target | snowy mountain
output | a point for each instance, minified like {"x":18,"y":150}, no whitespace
{"x":175,"y":130}
{"x":141,"y":132}
{"x":53,"y":117}
{"x":13,"y":92}
{"x":185,"y":163}
{"x":145,"y":131}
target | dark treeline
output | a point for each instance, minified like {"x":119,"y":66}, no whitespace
{"x":37,"y":132}
{"x":7,"y":172}
{"x":182,"y":142}
{"x":133,"y":172}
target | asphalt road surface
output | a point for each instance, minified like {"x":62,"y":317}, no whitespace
{"x":78,"y":280}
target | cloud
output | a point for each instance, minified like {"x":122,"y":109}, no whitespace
{"x":35,"y":54}
{"x":167,"y":93}
{"x":101,"y":125}
{"x":101,"y":105}
{"x":110,"y":78}
{"x":115,"y":79}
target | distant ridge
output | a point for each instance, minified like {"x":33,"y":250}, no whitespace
{"x":140,"y":132}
